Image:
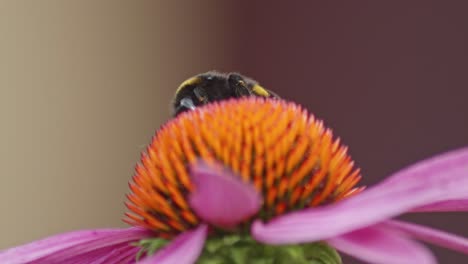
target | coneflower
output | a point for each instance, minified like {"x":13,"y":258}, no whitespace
{"x":262,"y":180}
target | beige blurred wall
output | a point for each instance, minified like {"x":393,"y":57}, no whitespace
{"x":83,"y":86}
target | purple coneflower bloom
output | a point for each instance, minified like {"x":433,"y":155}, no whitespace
{"x":269,"y":170}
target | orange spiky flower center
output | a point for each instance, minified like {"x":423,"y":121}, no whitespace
{"x":284,"y":152}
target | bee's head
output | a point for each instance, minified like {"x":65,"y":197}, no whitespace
{"x":214,"y":86}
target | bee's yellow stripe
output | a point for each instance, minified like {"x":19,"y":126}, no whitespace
{"x":191,"y":81}
{"x":258,"y":90}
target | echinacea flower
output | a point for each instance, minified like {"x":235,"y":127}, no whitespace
{"x":262,"y":178}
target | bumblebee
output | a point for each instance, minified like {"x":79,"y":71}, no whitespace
{"x":214,"y":86}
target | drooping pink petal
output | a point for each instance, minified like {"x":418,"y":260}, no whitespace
{"x":430,"y":235}
{"x":460,"y":205}
{"x":380,"y":246}
{"x":123,"y":255}
{"x":451,"y":161}
{"x":65,"y":246}
{"x":115,"y":254}
{"x":438,"y":179}
{"x":183,"y":249}
{"x":220,"y":198}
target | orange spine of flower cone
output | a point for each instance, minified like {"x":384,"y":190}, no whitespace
{"x":288,"y":155}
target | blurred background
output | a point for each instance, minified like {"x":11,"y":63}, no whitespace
{"x":85,"y":84}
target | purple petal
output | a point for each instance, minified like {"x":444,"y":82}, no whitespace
{"x":438,"y":179}
{"x":115,"y":254}
{"x":221,"y":198}
{"x":119,"y":255}
{"x":460,"y":205}
{"x":430,"y":235}
{"x":65,"y":246}
{"x":378,"y":245}
{"x":184,"y":249}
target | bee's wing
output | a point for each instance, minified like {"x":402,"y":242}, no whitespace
{"x":273,"y":94}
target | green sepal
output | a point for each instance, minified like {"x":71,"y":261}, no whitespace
{"x":240,"y":249}
{"x":237,"y":249}
{"x":149,"y":246}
